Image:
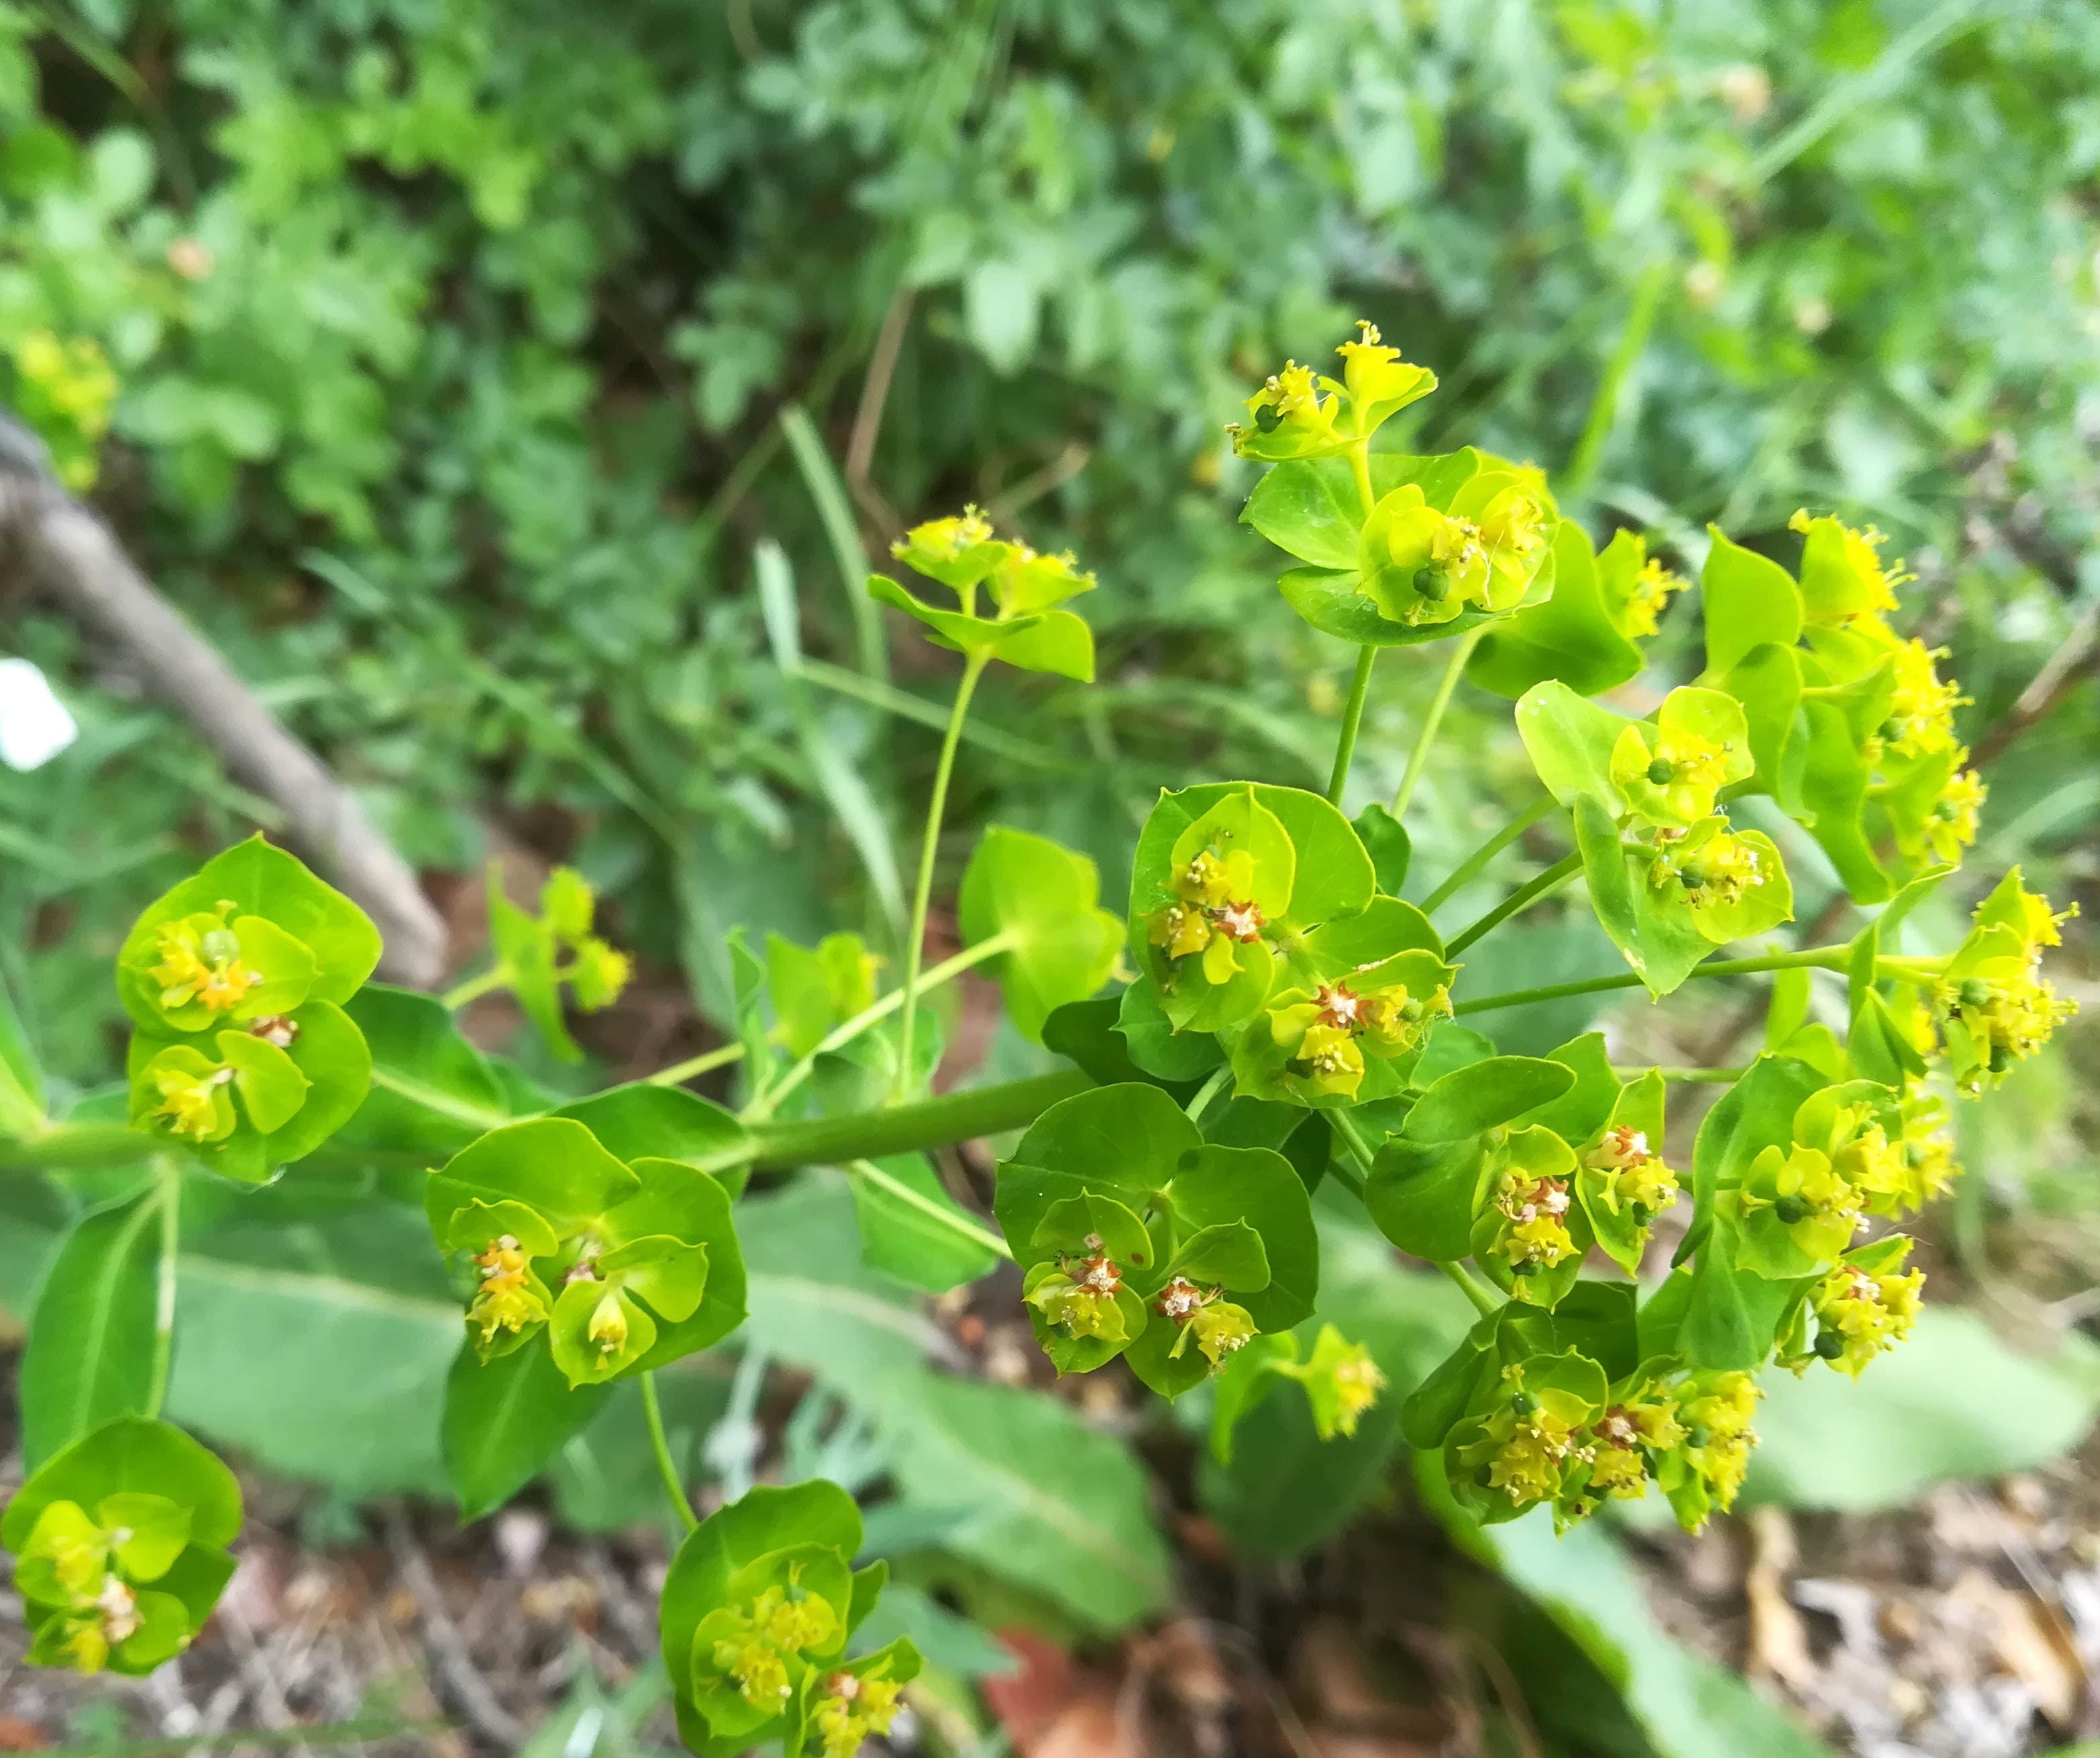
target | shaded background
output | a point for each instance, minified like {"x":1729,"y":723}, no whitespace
{"x":458,"y":359}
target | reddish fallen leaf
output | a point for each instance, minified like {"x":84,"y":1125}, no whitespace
{"x":1028,"y":1702}
{"x":1090,"y":1728}
{"x":17,"y":1735}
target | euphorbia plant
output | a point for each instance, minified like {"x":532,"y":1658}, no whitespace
{"x":1288,"y":1028}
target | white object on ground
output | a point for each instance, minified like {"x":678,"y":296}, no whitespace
{"x":34,"y":724}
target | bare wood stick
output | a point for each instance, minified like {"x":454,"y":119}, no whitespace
{"x":74,"y":557}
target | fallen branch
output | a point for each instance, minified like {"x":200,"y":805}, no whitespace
{"x":75,"y":559}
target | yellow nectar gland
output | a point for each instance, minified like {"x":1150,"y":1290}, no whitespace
{"x":206,"y":968}
{"x":776,"y":1628}
{"x":1652,"y":588}
{"x":1632,"y":1173}
{"x":506,"y":1299}
{"x":1863,"y":555}
{"x":1535,"y":1215}
{"x":1950,"y":825}
{"x":853,"y":1708}
{"x":190,"y":1102}
{"x":1357,"y":1383}
{"x":1861,"y":1314}
{"x":1528,"y":1465}
{"x":1920,"y":716}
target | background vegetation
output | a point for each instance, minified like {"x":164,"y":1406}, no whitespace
{"x":451,"y":362}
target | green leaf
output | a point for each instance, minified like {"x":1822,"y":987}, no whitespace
{"x":1044,"y":1500}
{"x":1952,"y":1402}
{"x":1336,"y":604}
{"x":1309,"y":508}
{"x":1587,"y":1107}
{"x":677,"y":1201}
{"x":1688,"y":1706}
{"x":432,"y":1091}
{"x":553,"y":1164}
{"x":90,"y":1350}
{"x":1484,"y":1094}
{"x":526,"y":947}
{"x":905,"y":1242}
{"x":1655,"y":933}
{"x":1046,"y":899}
{"x":1570,"y":741}
{"x":1569,"y":636}
{"x":640,"y":1120}
{"x":259,"y":879}
{"x":1129,"y":1137}
{"x":1154,"y":1047}
{"x":504,"y":1420}
{"x":1747,"y":601}
{"x":1386,"y":841}
{"x":1215,"y":1187}
{"x":1059,"y":643}
{"x":1422,"y":1195}
{"x":131,"y":1456}
{"x":1835,"y":776}
{"x":1766,"y":682}
{"x":1755,"y":1113}
{"x":280,"y":1318}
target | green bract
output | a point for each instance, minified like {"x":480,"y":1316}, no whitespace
{"x":1137,"y":1237}
{"x":530,"y":951}
{"x":243,"y":1054}
{"x":1025,"y":629}
{"x":119,"y":1547}
{"x":757,"y":1611}
{"x":622,"y":1266}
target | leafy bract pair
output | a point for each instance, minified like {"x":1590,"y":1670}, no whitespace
{"x":757,"y":1611}
{"x":621,"y":1266}
{"x":1671,"y":877}
{"x":1255,"y":916}
{"x":1448,"y":542}
{"x":1524,"y":1164}
{"x":1138,"y":1238}
{"x":235,"y":981}
{"x":1025,"y":629}
{"x":119,"y":1547}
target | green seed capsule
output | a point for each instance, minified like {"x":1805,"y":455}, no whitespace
{"x":1829,"y":1344}
{"x":1432,"y":582}
{"x":1524,"y":1404}
{"x":1975,"y":993}
{"x":1790,"y":1210}
{"x":1694,"y":877}
{"x":2001,"y":1059}
{"x":1268,"y":418}
{"x":1661,"y":771}
{"x":1890,"y":731}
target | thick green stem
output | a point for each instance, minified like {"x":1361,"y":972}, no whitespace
{"x":1208,"y":1091}
{"x":768,"y":1101}
{"x":1352,"y":717}
{"x":1483,"y":1302}
{"x":960,"y":1225}
{"x":1696,"y":1076}
{"x":169,"y":1177}
{"x":1544,"y":885}
{"x":1417,"y":760}
{"x":922,"y":893}
{"x":475,"y":987}
{"x":659,"y":1443}
{"x":901,"y":1129}
{"x":1813,"y":958}
{"x":1476,"y":862}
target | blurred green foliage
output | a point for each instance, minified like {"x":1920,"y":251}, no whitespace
{"x":451,"y":341}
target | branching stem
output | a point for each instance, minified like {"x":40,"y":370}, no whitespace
{"x":659,"y":1443}
{"x":1417,"y":760}
{"x":1544,"y":885}
{"x":922,"y":893}
{"x":1477,"y":862}
{"x":1813,"y":958}
{"x":960,"y":1225}
{"x":1352,"y":716}
{"x":169,"y":1177}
